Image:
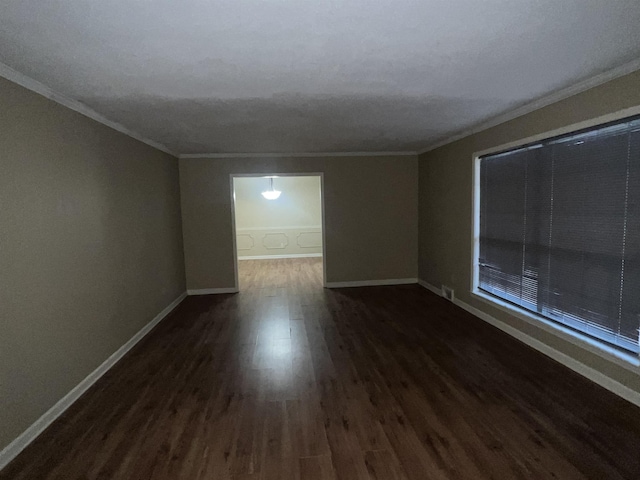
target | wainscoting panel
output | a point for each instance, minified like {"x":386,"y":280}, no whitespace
{"x":275,"y":241}
{"x":279,"y":242}
{"x":245,"y":241}
{"x":309,"y":240}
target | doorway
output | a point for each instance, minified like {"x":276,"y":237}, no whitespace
{"x":278,"y":224}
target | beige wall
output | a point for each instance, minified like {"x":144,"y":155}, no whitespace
{"x":290,"y":225}
{"x":370,"y":215}
{"x":446,"y":211}
{"x":90,"y":249}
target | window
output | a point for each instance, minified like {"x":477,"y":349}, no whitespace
{"x":559,"y":230}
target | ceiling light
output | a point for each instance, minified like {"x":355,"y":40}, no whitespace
{"x":271,"y":194}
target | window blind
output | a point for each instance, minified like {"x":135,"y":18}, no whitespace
{"x":560,"y":230}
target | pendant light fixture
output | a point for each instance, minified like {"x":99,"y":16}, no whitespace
{"x":271,"y":194}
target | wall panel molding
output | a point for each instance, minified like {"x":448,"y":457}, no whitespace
{"x":242,"y":244}
{"x":314,"y":242}
{"x":270,"y":241}
{"x":274,"y":257}
{"x":290,"y":242}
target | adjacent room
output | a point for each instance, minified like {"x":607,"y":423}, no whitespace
{"x":278,"y":228}
{"x":292,"y":240}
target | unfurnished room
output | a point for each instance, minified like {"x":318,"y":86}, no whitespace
{"x":295,"y":240}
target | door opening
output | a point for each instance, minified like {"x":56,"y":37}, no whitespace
{"x":278,"y":223}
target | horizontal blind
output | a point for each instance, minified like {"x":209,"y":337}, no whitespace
{"x":560,"y":230}
{"x":630,"y":308}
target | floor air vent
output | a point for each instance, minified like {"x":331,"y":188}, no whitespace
{"x":447,"y":293}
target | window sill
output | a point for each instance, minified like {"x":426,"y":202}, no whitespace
{"x":626,"y":360}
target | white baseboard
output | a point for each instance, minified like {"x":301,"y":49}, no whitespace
{"x":211,"y":291}
{"x":569,"y":362}
{"x":372,"y":283}
{"x":31,"y":433}
{"x":291,"y":255}
{"x":430,"y":287}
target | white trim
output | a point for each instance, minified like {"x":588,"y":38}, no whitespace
{"x":590,"y":123}
{"x":291,"y":255}
{"x":277,"y":175}
{"x":599,"y":348}
{"x":212,"y":291}
{"x":542,"y":102}
{"x":186,"y":156}
{"x":625,"y":360}
{"x":431,"y":288}
{"x":324,"y":232}
{"x":35,"y":86}
{"x":372,"y":283}
{"x":569,"y":362}
{"x":31,"y":433}
{"x":234,"y":233}
{"x":475,"y":222}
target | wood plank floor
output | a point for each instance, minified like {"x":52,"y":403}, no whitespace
{"x":287,"y":380}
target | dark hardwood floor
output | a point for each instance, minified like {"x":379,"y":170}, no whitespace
{"x":287,"y":380}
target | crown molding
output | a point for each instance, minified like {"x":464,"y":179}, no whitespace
{"x":35,"y":86}
{"x":187,"y":156}
{"x":79,"y":107}
{"x":541,"y":102}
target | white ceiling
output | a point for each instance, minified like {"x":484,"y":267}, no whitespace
{"x":312,"y":75}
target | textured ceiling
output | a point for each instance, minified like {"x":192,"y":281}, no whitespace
{"x":312,"y":76}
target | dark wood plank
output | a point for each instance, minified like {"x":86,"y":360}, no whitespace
{"x":287,"y":380}
{"x":317,"y":468}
